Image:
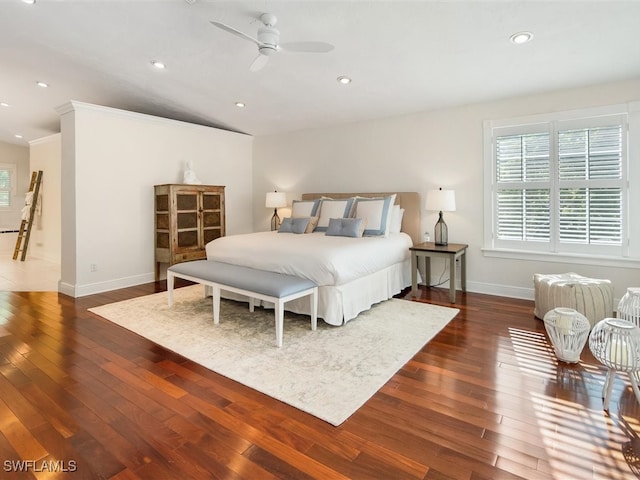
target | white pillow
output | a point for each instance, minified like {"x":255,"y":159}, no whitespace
{"x":376,"y":212}
{"x":304,"y":208}
{"x":333,"y":209}
{"x":396,"y":219}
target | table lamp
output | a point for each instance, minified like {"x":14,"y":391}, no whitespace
{"x":441,"y":201}
{"x":275,"y":200}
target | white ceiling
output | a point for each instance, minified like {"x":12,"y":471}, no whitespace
{"x":403,"y":56}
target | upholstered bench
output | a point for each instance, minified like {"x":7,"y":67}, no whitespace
{"x":277,"y":288}
{"x":592,"y":297}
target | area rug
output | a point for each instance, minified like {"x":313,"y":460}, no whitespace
{"x":329,"y":373}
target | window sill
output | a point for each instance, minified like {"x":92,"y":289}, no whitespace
{"x":579,"y":259}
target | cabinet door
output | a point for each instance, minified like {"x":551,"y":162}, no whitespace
{"x":163,"y":225}
{"x":187,"y":221}
{"x":212,"y":216}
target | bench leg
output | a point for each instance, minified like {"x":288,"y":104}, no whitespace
{"x":279,"y":312}
{"x":314,"y":309}
{"x":170,"y":282}
{"x":252,"y":304}
{"x":216,"y":304}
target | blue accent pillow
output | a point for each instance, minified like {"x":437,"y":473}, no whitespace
{"x":345,"y":227}
{"x":293,"y":225}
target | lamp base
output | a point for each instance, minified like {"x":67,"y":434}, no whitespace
{"x":275,"y":220}
{"x":441,"y":232}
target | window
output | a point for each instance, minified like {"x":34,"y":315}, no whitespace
{"x":559,"y":186}
{"x":7,"y":186}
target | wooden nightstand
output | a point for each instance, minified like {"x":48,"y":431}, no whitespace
{"x":430,"y":250}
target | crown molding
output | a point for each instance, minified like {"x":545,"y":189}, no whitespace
{"x":46,"y":139}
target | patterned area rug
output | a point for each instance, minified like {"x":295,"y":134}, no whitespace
{"x":329,"y":373}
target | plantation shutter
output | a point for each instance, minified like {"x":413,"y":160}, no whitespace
{"x":561,"y":188}
{"x":523,"y":187}
{"x":590,"y":181}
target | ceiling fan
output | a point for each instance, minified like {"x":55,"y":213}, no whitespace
{"x":268,"y":41}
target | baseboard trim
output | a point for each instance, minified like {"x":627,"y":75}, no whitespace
{"x":501,"y":290}
{"x":100,"y":287}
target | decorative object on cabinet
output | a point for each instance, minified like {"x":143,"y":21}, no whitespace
{"x":189,"y":177}
{"x":441,"y":201}
{"x":275,"y":200}
{"x":568,"y":331}
{"x":187,"y":217}
{"x":616,"y":344}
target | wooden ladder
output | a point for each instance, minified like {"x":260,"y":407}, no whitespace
{"x":25,"y":226}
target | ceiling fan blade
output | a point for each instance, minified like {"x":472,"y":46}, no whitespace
{"x":232,"y":30}
{"x":307,"y":47}
{"x":259,"y":63}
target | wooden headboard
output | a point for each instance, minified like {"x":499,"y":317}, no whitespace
{"x":410,"y":201}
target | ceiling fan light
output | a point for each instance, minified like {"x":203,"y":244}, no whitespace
{"x":267,"y":50}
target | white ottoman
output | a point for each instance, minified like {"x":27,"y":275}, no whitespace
{"x":592,"y":297}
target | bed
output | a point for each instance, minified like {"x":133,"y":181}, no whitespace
{"x":352,"y":273}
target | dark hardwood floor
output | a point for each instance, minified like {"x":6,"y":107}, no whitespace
{"x":485,"y":399}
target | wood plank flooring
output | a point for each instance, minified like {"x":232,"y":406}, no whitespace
{"x":82,"y":398}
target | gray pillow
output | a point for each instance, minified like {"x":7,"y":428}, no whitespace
{"x":345,"y":227}
{"x":293,"y":225}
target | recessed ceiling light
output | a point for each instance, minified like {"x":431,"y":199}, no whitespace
{"x":344,"y":80}
{"x":30,"y":2}
{"x":4,"y":104}
{"x":158,"y":64}
{"x":42,"y":84}
{"x":521,"y":37}
{"x":240,"y":105}
{"x":17,"y":135}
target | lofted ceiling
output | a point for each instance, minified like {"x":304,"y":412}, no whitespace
{"x":403,"y":57}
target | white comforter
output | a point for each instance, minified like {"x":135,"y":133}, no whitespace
{"x":326,"y":260}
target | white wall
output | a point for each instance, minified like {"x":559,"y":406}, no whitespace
{"x":111,"y":159}
{"x":423,"y":151}
{"x":45,"y":154}
{"x":10,"y":218}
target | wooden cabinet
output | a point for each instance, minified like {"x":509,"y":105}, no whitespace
{"x":187,"y":217}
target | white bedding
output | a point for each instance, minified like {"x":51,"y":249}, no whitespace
{"x":326,"y":260}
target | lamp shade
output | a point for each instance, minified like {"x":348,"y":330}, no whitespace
{"x":441,"y":200}
{"x":276,"y":200}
